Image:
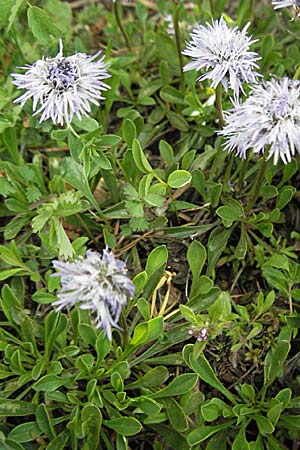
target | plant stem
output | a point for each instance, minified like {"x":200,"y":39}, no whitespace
{"x":228,"y":169}
{"x":178,"y":41}
{"x":244,"y":165}
{"x":251,"y":10}
{"x":125,"y":334}
{"x":69,"y":127}
{"x":219,"y":107}
{"x":212,"y":7}
{"x":120,"y":25}
{"x":254,"y":193}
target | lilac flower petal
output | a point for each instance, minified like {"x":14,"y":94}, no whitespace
{"x":269,"y":118}
{"x":224,"y":54}
{"x":95,"y":283}
{"x":63,"y":86}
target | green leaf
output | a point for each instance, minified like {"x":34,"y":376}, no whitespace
{"x":86,"y":123}
{"x":179,"y":178}
{"x":59,"y":442}
{"x":166,"y":152}
{"x":276,"y":279}
{"x":284,"y":397}
{"x":108,"y":140}
{"x":156,"y":259}
{"x":10,"y":407}
{"x":4,"y":274}
{"x":9,"y":303}
{"x":75,"y":145}
{"x":126,"y":426}
{"x":88,"y":333}
{"x":290,"y":422}
{"x":73,"y":173}
{"x":264,"y":425}
{"x":172,"y":95}
{"x":102,"y":161}
{"x":5,"y":8}
{"x":175,"y":414}
{"x":10,"y":140}
{"x":211,"y":411}
{"x":274,"y":413}
{"x":64,"y":245}
{"x":103,"y":346}
{"x":49,"y":383}
{"x":240,"y":442}
{"x":147,"y":405}
{"x":242,"y":246}
{"x":227,"y":213}
{"x":154,"y":377}
{"x":221,"y":308}
{"x":218,"y":441}
{"x":178,"y":121}
{"x":91,"y":424}
{"x":216,"y":244}
{"x":278,"y":357}
{"x":202,"y":367}
{"x":44,"y":421}
{"x":196,"y":256}
{"x":25,"y":432}
{"x":167,"y":49}
{"x":14,"y":12}
{"x":61,"y":14}
{"x":139,"y":281}
{"x":180,"y":385}
{"x":55,"y":324}
{"x":129,"y":132}
{"x":147,"y":331}
{"x":41,"y":24}
{"x":201,"y":433}
{"x":285,"y":196}
{"x":140,"y":158}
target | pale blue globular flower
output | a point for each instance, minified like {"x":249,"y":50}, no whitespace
{"x":96,"y":283}
{"x":285,"y":3}
{"x":224,"y":53}
{"x":63,"y":86}
{"x":268,"y":120}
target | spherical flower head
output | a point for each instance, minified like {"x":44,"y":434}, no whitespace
{"x":98,"y":284}
{"x":285,"y":3}
{"x":269,"y":119}
{"x":224,"y":53}
{"x":63,"y":86}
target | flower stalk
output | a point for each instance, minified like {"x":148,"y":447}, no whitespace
{"x":116,"y":9}
{"x":219,"y":107}
{"x":254,"y":193}
{"x":178,"y":40}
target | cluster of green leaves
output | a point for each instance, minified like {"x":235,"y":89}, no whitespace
{"x":145,"y":169}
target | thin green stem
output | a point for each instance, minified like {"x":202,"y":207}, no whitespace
{"x":69,"y":127}
{"x":178,"y":40}
{"x":159,"y":179}
{"x":212,"y":8}
{"x":123,"y":324}
{"x":120,"y":25}
{"x":254,"y":193}
{"x":219,"y":108}
{"x":244,"y":166}
{"x":228,"y":169}
{"x":251,"y":10}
